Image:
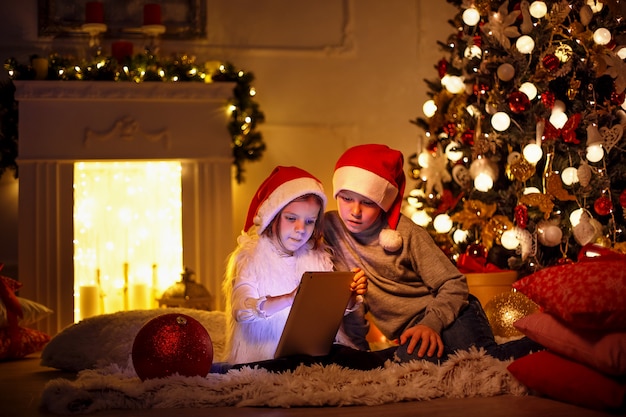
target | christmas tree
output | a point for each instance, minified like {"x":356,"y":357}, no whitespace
{"x":521,"y":157}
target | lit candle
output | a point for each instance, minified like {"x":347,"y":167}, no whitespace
{"x":94,"y":12}
{"x":89,"y":301}
{"x":151,"y":14}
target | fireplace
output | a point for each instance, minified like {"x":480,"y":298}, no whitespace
{"x":68,"y":127}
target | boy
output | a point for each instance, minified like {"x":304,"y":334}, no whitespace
{"x":415,"y":294}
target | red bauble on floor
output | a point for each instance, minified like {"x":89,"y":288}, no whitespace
{"x":172,"y":344}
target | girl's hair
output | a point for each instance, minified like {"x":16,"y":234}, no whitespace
{"x":273,"y":229}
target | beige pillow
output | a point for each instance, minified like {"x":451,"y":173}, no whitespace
{"x":33,"y":312}
{"x":108,"y":339}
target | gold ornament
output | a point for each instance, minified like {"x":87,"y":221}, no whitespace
{"x":542,"y":201}
{"x":554,"y":187}
{"x":620,"y":247}
{"x":505,"y":309}
{"x":474,"y":213}
{"x":564,"y":52}
{"x":574,"y":86}
{"x":494,"y":229}
{"x":522,"y":170}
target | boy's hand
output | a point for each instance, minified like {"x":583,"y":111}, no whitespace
{"x":431,"y":341}
{"x":359,"y":282}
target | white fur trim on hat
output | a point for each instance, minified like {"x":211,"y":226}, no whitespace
{"x":282,"y":196}
{"x":366,"y":183}
{"x":390,"y":240}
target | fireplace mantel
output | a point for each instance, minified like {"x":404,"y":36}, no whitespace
{"x":62,"y":122}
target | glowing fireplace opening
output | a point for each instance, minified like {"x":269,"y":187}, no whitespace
{"x":127,"y":234}
{"x":174,"y":136}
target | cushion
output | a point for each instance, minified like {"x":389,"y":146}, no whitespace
{"x":17,"y":342}
{"x":31,"y":312}
{"x":603,"y":351}
{"x":562,"y":379}
{"x":10,"y":283}
{"x":108,"y":338}
{"x":589,"y":294}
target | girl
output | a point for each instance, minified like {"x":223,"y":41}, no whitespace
{"x":281,"y":239}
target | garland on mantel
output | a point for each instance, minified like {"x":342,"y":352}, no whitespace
{"x":247,"y":141}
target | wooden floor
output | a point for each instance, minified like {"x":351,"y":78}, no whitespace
{"x":22,"y":381}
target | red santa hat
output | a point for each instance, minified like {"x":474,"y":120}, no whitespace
{"x":376,"y":172}
{"x":282,"y":186}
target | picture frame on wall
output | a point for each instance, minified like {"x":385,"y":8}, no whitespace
{"x":183,"y":19}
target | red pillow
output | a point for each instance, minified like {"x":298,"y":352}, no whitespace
{"x":589,"y":294}
{"x":568,"y":381}
{"x":603,"y":351}
{"x":20,"y":341}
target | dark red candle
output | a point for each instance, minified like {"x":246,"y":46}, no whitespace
{"x":94,"y":12}
{"x":120,"y":50}
{"x":151,"y":14}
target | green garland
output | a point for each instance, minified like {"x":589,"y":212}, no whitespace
{"x":247,"y":141}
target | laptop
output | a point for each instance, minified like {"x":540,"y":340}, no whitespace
{"x":316,"y":314}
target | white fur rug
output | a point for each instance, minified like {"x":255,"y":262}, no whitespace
{"x":466,"y":374}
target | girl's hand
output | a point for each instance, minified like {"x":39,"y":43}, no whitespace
{"x":431,"y":341}
{"x":359,"y":282}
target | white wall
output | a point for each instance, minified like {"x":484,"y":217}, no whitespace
{"x":329,"y":74}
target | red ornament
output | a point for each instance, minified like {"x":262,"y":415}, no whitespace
{"x":172,"y":344}
{"x":617,"y":98}
{"x":442,"y":67}
{"x":450,"y":129}
{"x":518,"y":102}
{"x":603,"y":206}
{"x":478,"y":41}
{"x":564,"y":261}
{"x":548,"y":99}
{"x":521,"y":216}
{"x":551,"y":62}
{"x":477,"y":252}
{"x":480,"y":89}
{"x":622,"y":199}
{"x":467,"y":137}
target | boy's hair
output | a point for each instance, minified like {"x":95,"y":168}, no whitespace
{"x":316,"y":238}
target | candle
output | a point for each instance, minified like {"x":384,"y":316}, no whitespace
{"x":140,"y":295}
{"x":155,"y":286}
{"x":89,"y":301}
{"x":40,"y":65}
{"x":151,"y":14}
{"x":94,"y":12}
{"x":125,"y":288}
{"x":121,"y":50}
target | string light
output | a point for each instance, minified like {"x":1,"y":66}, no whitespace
{"x":602,"y":36}
{"x":500,"y":121}
{"x":529,"y":89}
{"x":471,"y":16}
{"x":525,"y":44}
{"x":429,"y":108}
{"x":538,"y":9}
